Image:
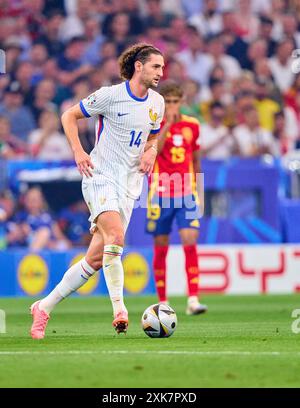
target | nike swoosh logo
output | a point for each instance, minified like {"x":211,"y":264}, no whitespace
{"x":122,"y":114}
{"x":107,"y":265}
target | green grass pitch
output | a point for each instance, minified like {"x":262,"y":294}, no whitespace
{"x":243,"y":341}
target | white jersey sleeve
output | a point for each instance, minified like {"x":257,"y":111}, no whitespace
{"x":97,"y":103}
{"x":159,"y":117}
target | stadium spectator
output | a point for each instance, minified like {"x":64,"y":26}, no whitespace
{"x":235,"y":46}
{"x":119,"y":31}
{"x":50,"y":35}
{"x":11,"y":147}
{"x":265,"y":33}
{"x":94,"y":41}
{"x":291,"y":95}
{"x":262,"y":71}
{"x":156,"y":17}
{"x":38,"y":57}
{"x":276,"y":12}
{"x":35,"y":19}
{"x":280,"y":65}
{"x":80,"y":89}
{"x":284,"y":141}
{"x":180,"y":30}
{"x":152,"y":36}
{"x":257,"y":50}
{"x":196,"y":62}
{"x":43,"y":96}
{"x":247,"y":23}
{"x":20,"y":117}
{"x":109,"y":71}
{"x":132,"y":9}
{"x":70,"y":63}
{"x":51,"y":72}
{"x":191,"y":101}
{"x":216,"y":139}
{"x":73,"y":222}
{"x":290,"y":28}
{"x":73,"y":24}
{"x":36,"y":227}
{"x":13,"y":51}
{"x":209,"y":21}
{"x":23,"y":75}
{"x":217,"y":56}
{"x":176,"y":71}
{"x":218,"y":93}
{"x":108,"y":50}
{"x":47,"y":142}
{"x":7,"y":208}
{"x":265,"y":105}
{"x":251,"y":139}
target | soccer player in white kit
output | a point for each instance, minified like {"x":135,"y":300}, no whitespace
{"x":128,"y":119}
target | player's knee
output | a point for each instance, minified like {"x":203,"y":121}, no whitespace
{"x":189,"y":241}
{"x":115,"y":237}
{"x":162,"y":240}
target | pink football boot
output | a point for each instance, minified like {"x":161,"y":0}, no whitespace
{"x":40,"y":320}
{"x":120,"y":322}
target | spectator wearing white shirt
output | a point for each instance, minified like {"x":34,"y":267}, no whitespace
{"x":251,"y":139}
{"x":197,"y":64}
{"x":209,"y":21}
{"x":280,"y":65}
{"x":216,"y":56}
{"x":247,"y":22}
{"x":216,"y":139}
{"x":290,"y":28}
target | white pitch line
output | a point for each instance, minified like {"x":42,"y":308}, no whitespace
{"x":156,"y":352}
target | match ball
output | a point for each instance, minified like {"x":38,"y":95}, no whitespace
{"x":159,"y":320}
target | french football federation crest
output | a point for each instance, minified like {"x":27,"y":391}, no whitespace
{"x":152,"y":115}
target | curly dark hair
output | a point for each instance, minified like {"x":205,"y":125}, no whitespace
{"x":138,"y":52}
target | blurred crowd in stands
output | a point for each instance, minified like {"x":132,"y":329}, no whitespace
{"x":233,"y":57}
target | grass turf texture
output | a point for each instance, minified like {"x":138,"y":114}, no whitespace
{"x":243,"y":341}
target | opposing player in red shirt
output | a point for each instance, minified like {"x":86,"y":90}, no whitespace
{"x":172,"y":194}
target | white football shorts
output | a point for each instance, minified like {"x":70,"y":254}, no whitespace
{"x":102,"y":195}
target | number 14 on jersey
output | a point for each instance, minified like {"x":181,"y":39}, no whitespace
{"x":135,"y":138}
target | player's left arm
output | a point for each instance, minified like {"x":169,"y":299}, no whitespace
{"x":150,"y":151}
{"x":149,"y":155}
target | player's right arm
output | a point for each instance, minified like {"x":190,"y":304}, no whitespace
{"x":69,"y":121}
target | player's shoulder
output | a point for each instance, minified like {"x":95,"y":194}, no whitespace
{"x":190,"y":119}
{"x":156,"y":95}
{"x":110,"y":89}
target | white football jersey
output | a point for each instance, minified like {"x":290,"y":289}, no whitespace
{"x":122,"y":129}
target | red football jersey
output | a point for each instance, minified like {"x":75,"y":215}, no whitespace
{"x":173,"y":172}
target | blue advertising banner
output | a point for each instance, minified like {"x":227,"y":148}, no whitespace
{"x":36,"y":274}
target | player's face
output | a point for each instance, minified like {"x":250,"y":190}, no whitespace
{"x":173,"y":104}
{"x":152,"y":71}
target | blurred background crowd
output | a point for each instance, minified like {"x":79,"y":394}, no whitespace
{"x":233,"y":57}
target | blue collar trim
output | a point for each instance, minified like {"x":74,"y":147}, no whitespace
{"x":133,"y":96}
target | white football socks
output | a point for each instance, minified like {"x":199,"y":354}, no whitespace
{"x":75,"y":277}
{"x":114,"y":276}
